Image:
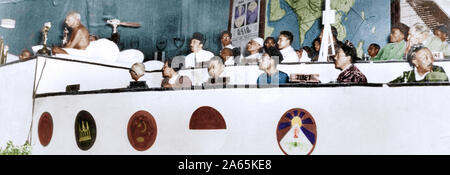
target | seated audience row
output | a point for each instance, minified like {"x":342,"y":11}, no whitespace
{"x":402,"y":38}
{"x":419,"y":47}
{"x":268,"y":55}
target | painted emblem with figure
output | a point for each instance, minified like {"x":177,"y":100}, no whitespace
{"x":142,"y":130}
{"x":85,"y":130}
{"x":296,"y":132}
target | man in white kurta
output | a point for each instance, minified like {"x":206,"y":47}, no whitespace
{"x":254,"y":47}
{"x":284,"y":44}
{"x":198,"y":55}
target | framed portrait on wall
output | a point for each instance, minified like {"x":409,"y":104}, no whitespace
{"x":246,"y":21}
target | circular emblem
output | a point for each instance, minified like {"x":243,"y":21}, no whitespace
{"x":45,"y":128}
{"x":142,"y":130}
{"x":207,"y":118}
{"x":85,"y":130}
{"x":296,"y":132}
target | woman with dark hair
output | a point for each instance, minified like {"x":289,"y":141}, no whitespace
{"x":345,"y":57}
{"x":315,"y":50}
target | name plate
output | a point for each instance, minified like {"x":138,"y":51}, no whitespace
{"x":438,"y":55}
{"x":304,"y":78}
{"x":249,"y":61}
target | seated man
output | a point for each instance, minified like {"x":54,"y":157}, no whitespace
{"x":81,"y":45}
{"x":172,"y":79}
{"x":79,"y":38}
{"x":420,"y":34}
{"x":284,"y":44}
{"x":441,"y":32}
{"x":198,"y":55}
{"x":255,"y":47}
{"x":309,"y":51}
{"x":303,"y":54}
{"x":373,"y":50}
{"x":225,"y":39}
{"x":336,"y":42}
{"x":345,"y":57}
{"x":421,"y":59}
{"x":395,"y":50}
{"x":137,"y":71}
{"x":215,"y":71}
{"x":227,"y":56}
{"x":93,"y":38}
{"x":268,"y":63}
{"x":270,"y":42}
{"x":25,"y":55}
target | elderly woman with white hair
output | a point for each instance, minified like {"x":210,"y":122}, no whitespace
{"x":421,"y":34}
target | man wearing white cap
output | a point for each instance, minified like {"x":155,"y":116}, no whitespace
{"x":284,"y":44}
{"x":254,"y":47}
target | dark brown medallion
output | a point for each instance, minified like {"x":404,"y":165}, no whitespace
{"x":45,"y":128}
{"x":207,"y":118}
{"x":142,"y":130}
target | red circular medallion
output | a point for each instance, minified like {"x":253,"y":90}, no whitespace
{"x":45,"y":128}
{"x":142,"y":130}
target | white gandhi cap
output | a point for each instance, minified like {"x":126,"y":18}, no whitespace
{"x":259,"y":40}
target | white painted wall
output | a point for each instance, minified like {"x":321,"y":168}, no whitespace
{"x":16,"y":101}
{"x":57,"y":74}
{"x":350,"y":120}
{"x":444,"y":5}
{"x":16,"y":87}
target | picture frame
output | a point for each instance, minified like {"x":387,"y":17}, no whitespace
{"x":246,"y":21}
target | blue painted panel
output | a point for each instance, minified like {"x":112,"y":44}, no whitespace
{"x":377,"y":16}
{"x":159,"y":19}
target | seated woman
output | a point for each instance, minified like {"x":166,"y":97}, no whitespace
{"x":172,"y":79}
{"x":345,"y":57}
{"x":315,"y":50}
{"x":421,"y":59}
{"x":268,"y":64}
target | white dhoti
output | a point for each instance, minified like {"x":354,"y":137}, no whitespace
{"x":102,"y":49}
